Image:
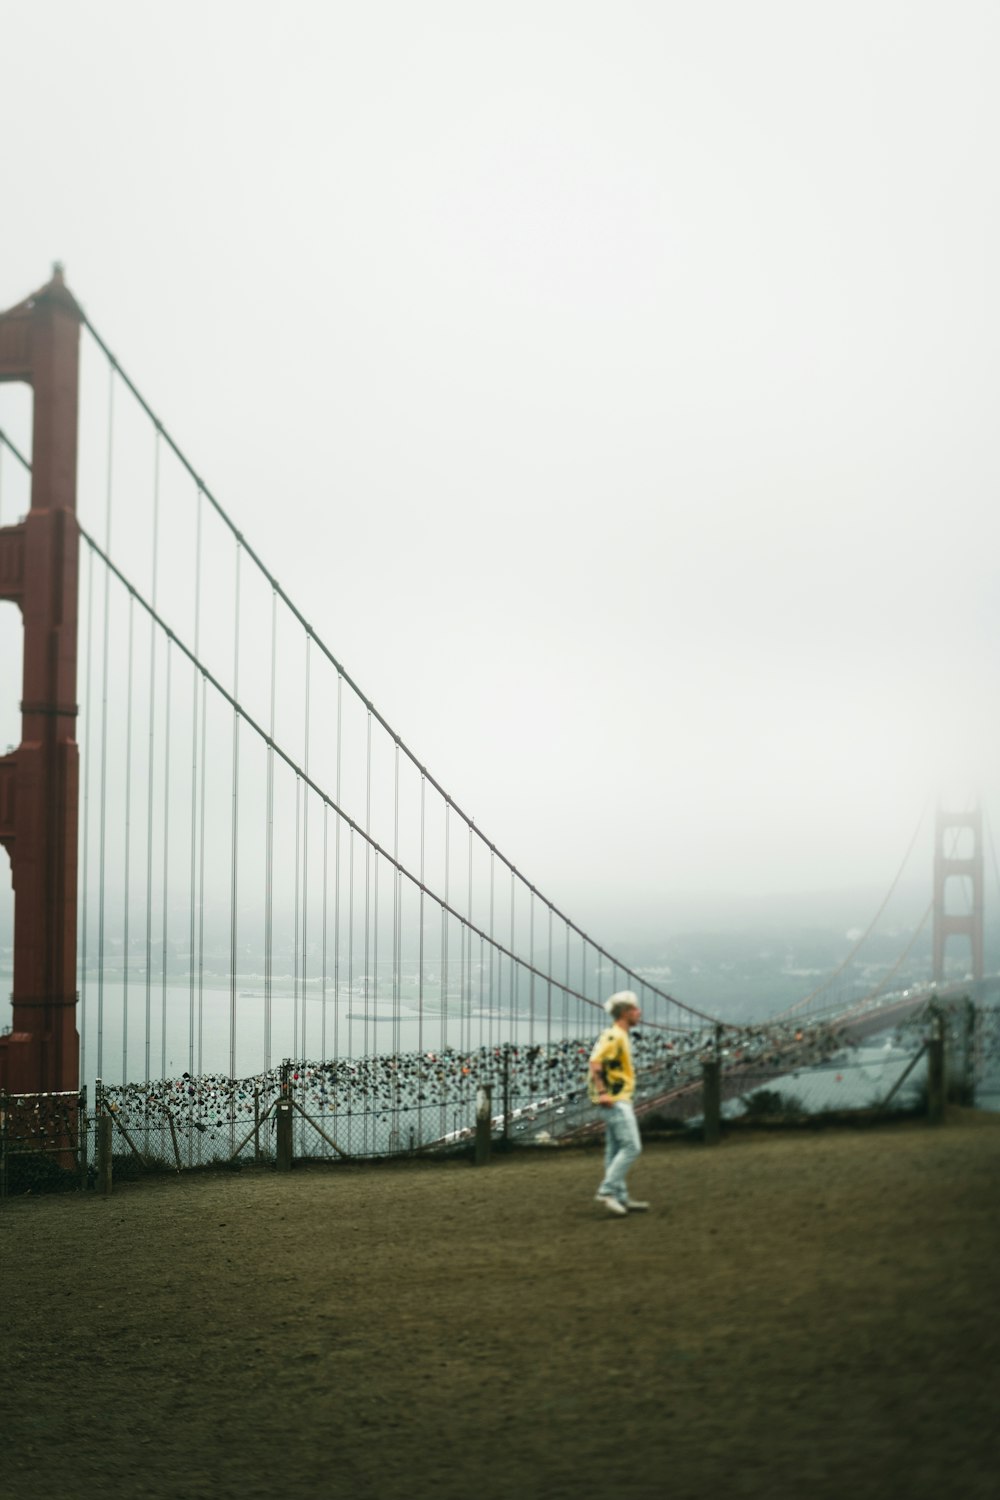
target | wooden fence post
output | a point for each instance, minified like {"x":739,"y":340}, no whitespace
{"x":506,"y":1092}
{"x":283,"y":1122}
{"x":711,"y":1075}
{"x":935,"y":1078}
{"x":104,"y":1144}
{"x":969,"y":1058}
{"x":81,"y":1137}
{"x":484,"y":1122}
{"x":283,"y":1132}
{"x":103,"y":1141}
{"x":173,"y":1138}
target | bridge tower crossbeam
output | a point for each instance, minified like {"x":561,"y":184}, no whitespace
{"x":39,"y":781}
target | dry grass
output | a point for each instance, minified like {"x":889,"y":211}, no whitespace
{"x":801,"y":1315}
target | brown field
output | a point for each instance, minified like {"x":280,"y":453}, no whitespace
{"x":807,"y":1314}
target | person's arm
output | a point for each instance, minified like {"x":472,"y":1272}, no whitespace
{"x":597,"y":1073}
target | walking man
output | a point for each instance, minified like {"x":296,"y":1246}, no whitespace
{"x":611,"y":1085}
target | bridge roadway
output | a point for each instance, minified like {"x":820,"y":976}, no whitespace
{"x":784,"y":1056}
{"x":848,"y":1028}
{"x":766,"y":1055}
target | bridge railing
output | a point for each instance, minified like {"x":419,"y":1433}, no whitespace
{"x":846,"y":1068}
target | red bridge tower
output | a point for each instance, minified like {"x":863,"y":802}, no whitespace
{"x":39,"y":782}
{"x":947,"y":867}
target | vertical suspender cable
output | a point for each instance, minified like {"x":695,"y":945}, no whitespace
{"x":396,"y":918}
{"x":336,"y":899}
{"x":150,"y":762}
{"x":420,"y":950}
{"x":582,"y":987}
{"x":166,"y":860}
{"x":234,"y":873}
{"x":444,"y":951}
{"x":548,"y":988}
{"x":269,"y":849}
{"x":305,"y":855}
{"x":468,"y":958}
{"x":201,"y":877}
{"x":326,"y":854}
{"x":421,"y":1064}
{"x":375,"y":882}
{"x":104,"y":732}
{"x":512,"y":1024}
{"x":86,"y":815}
{"x":992,"y":848}
{"x":128,"y":834}
{"x":482,"y":984}
{"x":350,"y":943}
{"x":462,"y":1027}
{"x":566,"y":1025}
{"x":368,"y":855}
{"x":444,"y":925}
{"x":492,"y":1000}
{"x":325,"y":931}
{"x":194,"y":785}
{"x":531,"y":960}
{"x":295,"y":931}
{"x":503,"y":1019}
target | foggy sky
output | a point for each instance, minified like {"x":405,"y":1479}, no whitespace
{"x":612,"y":386}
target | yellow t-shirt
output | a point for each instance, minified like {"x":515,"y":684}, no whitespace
{"x":613,"y":1052}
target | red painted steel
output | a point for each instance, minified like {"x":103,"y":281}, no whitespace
{"x":39,"y":782}
{"x":946,"y":868}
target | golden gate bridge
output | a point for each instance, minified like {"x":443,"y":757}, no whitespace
{"x":224,"y":856}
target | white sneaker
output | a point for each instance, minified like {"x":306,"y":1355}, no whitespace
{"x":635,"y":1206}
{"x":611,"y":1204}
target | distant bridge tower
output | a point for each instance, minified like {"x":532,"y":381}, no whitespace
{"x":947,"y":867}
{"x":39,"y":782}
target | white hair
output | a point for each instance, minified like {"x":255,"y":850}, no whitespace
{"x":620,"y":1003}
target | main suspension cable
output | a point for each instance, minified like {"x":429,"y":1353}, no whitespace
{"x":372,"y":846}
{"x":825,"y":983}
{"x":12,"y":447}
{"x":324,"y":649}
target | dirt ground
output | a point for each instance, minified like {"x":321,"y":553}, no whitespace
{"x":805,"y":1314}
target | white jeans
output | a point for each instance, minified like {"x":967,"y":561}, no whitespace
{"x":621,"y":1147}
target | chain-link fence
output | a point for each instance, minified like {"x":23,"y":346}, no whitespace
{"x":426,"y":1103}
{"x":387,"y":1105}
{"x":390,"y":1104}
{"x":43,"y":1142}
{"x":986,"y":1057}
{"x":417,"y":1103}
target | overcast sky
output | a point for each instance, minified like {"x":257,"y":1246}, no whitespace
{"x":614,"y":386}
